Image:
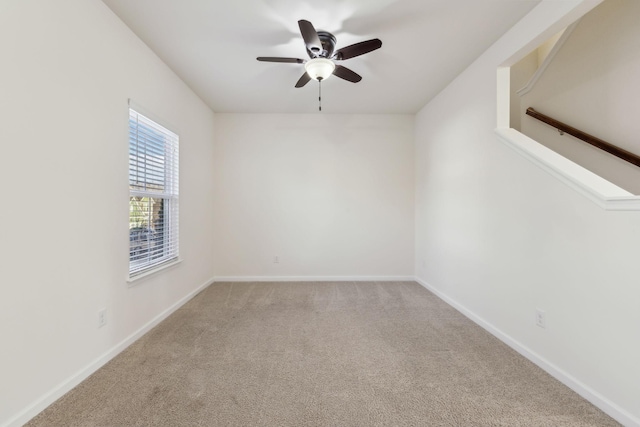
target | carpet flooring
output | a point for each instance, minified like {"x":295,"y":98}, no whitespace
{"x":319,"y":354}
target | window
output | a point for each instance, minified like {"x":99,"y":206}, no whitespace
{"x":153,"y":194}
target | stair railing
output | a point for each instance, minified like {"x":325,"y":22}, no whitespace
{"x":589,"y":139}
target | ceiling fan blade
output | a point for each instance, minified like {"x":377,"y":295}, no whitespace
{"x":303,"y":80}
{"x":357,"y":49}
{"x":347,"y":74}
{"x":278,"y":59}
{"x":310,"y":36}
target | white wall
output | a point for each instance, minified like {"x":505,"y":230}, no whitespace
{"x":592,"y":84}
{"x":67,"y":70}
{"x":330,"y":195}
{"x":498,"y":237}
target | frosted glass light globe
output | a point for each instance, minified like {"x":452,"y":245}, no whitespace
{"x":319,"y":68}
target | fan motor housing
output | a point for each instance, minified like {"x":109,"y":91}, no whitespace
{"x":328,"y":41}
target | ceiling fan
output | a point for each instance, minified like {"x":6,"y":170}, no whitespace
{"x":322,"y":54}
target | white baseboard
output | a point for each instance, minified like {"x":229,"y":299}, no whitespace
{"x":598,"y":400}
{"x":43,"y":402}
{"x":313,"y":279}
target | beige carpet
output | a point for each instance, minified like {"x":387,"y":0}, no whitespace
{"x":320,"y":354}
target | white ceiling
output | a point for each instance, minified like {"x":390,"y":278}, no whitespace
{"x":213,"y":44}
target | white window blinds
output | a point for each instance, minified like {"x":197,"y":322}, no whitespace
{"x":153,"y":194}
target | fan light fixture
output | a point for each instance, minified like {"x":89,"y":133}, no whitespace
{"x":319,"y":68}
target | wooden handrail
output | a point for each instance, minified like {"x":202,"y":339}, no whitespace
{"x":589,"y":139}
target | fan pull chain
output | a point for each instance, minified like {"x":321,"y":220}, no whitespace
{"x":320,"y":95}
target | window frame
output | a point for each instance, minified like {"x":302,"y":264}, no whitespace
{"x":153,"y":175}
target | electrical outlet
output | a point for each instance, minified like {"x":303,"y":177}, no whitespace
{"x":102,"y":317}
{"x":276,"y":259}
{"x":541,"y":320}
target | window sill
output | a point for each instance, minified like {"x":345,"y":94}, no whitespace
{"x":132,"y":281}
{"x":600,"y":191}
